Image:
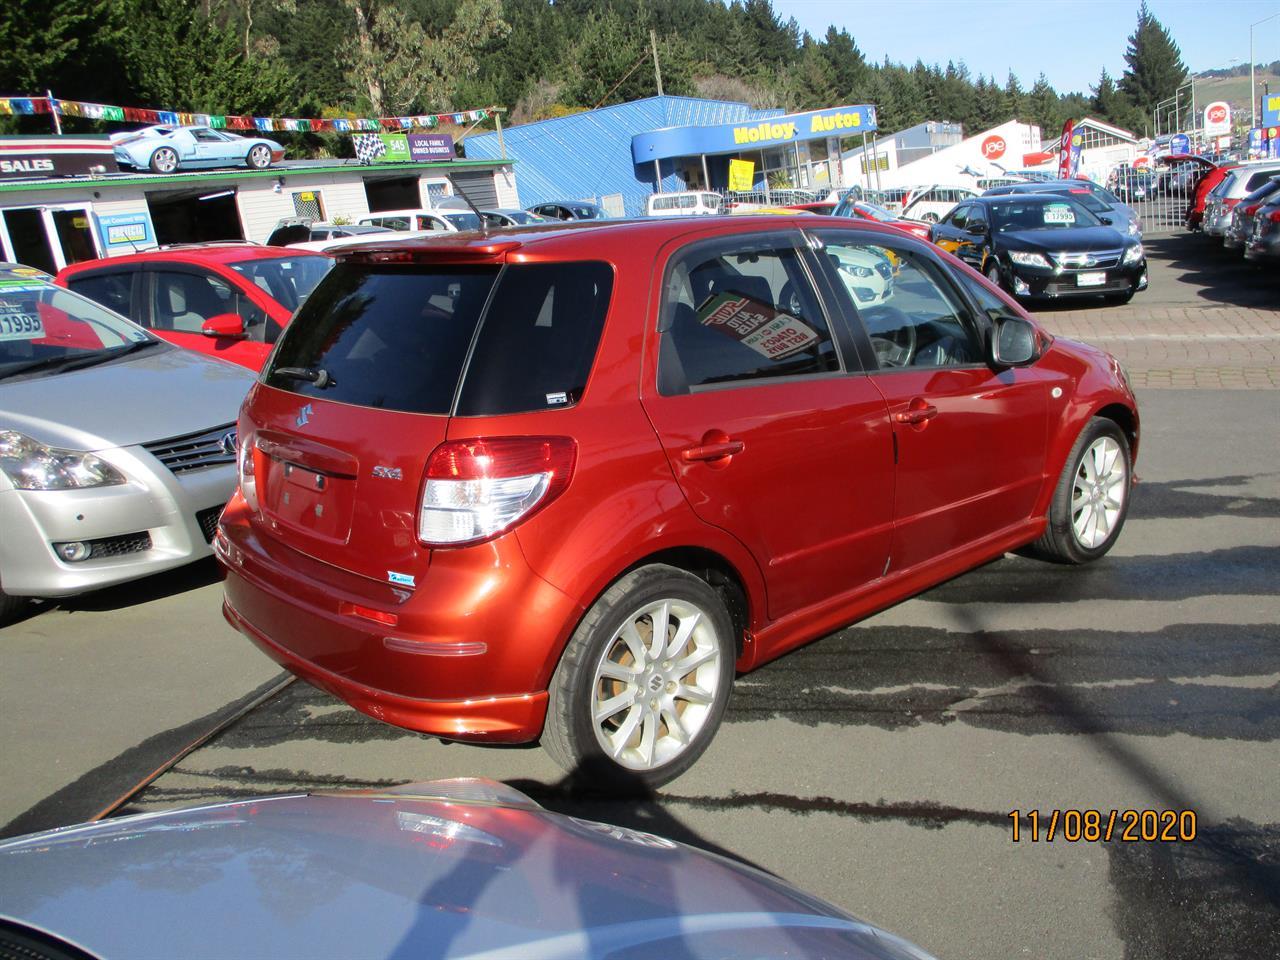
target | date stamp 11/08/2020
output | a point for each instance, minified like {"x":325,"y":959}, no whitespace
{"x":1103,"y":826}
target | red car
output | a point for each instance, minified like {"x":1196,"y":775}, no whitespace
{"x":862,"y":210}
{"x":229,"y":300}
{"x":563,"y":484}
{"x":1207,"y":180}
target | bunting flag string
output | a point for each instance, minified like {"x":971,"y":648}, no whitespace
{"x":30,"y":106}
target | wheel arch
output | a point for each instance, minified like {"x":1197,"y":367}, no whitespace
{"x":1123,"y":417}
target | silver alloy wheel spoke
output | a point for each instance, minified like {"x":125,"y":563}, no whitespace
{"x":656,"y":683}
{"x":1098,"y":492}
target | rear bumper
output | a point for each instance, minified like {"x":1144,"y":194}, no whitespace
{"x":466,"y":655}
{"x":517,"y":719}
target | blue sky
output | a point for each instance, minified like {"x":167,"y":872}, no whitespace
{"x":1069,"y":40}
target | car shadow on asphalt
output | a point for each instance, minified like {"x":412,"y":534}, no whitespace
{"x":1213,"y":273}
{"x":171,"y":583}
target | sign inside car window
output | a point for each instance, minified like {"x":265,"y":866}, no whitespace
{"x":767,"y":331}
{"x":1059,"y":213}
{"x":18,"y":324}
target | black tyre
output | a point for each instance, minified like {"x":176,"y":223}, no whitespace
{"x":164,"y":160}
{"x":993,"y":273}
{"x":1091,"y":500}
{"x":259,"y":157}
{"x":929,"y":217}
{"x":11,"y":607}
{"x":643,"y":684}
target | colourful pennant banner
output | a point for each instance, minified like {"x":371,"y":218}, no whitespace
{"x":29,"y":106}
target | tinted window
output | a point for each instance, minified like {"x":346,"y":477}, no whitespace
{"x":182,"y":302}
{"x":959,"y":217}
{"x":1258,"y":179}
{"x":538,"y":339}
{"x":745,"y":314}
{"x":1040,"y":214}
{"x":912,"y":319}
{"x":463,"y":221}
{"x":392,"y":337}
{"x":286,"y":280}
{"x":112,"y":290}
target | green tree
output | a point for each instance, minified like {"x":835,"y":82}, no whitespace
{"x":61,"y":44}
{"x":1015,"y":98}
{"x":178,"y":57}
{"x":1110,"y":104}
{"x":1155,"y":68}
{"x":1043,"y":106}
{"x":848,"y":67}
{"x":397,"y":66}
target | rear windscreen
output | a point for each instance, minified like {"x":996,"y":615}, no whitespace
{"x":397,"y":337}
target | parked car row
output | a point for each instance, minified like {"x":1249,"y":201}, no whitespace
{"x":1243,"y":209}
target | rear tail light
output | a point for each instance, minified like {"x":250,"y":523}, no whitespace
{"x":247,"y":469}
{"x":477,"y":489}
{"x":1250,"y":210}
{"x":1274,"y":216}
{"x":1230,"y":202}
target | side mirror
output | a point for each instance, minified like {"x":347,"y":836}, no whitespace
{"x":224,"y":325}
{"x":1108,"y":220}
{"x":977,"y":229}
{"x":1013,"y":343}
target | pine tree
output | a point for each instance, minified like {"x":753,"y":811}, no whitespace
{"x":1155,"y":67}
{"x":1015,"y":98}
{"x":1110,"y":104}
{"x":1043,"y":106}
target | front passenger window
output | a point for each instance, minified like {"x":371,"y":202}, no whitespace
{"x":911,"y":318}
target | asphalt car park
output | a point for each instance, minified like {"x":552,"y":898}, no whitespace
{"x":877,"y":767}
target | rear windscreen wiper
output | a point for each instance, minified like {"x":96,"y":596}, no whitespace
{"x":319,"y":376}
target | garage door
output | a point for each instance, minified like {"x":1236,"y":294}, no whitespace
{"x":477,"y":186}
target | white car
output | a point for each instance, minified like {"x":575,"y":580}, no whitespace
{"x":449,"y":221}
{"x":117,"y":449}
{"x":339,"y":243}
{"x":931,"y":204}
{"x":687,"y":203}
{"x":867,"y":275}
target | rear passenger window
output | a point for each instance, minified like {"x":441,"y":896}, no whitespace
{"x":538,"y":339}
{"x":742,"y":315}
{"x":113,"y":290}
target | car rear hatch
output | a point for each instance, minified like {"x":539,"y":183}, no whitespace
{"x":363,"y":384}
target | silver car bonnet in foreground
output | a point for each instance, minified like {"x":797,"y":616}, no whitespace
{"x":455,"y":868}
{"x":152,"y":395}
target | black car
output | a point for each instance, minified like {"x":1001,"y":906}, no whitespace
{"x":1044,"y":245}
{"x":1099,"y":201}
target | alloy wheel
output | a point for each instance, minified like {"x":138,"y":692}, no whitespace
{"x":1098,"y":492}
{"x":656,"y":684}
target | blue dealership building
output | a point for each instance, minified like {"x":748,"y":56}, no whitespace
{"x":619,"y":156}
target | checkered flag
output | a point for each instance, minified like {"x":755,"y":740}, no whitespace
{"x":369,"y":147}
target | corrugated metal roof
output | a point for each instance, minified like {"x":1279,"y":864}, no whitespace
{"x":586,"y":156}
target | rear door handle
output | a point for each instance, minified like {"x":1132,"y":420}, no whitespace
{"x":916,"y":414}
{"x":712,"y":451}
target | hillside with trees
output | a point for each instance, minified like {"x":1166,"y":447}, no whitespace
{"x":535,"y":58}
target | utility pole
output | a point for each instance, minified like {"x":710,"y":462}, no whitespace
{"x":53,"y":110}
{"x":657,"y":70}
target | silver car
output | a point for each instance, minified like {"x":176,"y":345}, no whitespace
{"x":452,"y":868}
{"x":117,"y":450}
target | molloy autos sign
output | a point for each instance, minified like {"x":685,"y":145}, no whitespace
{"x":24,"y":157}
{"x":1217,"y":119}
{"x":753,"y":134}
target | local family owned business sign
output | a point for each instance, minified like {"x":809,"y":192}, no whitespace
{"x":753,"y":134}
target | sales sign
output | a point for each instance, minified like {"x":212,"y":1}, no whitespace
{"x":757,"y":325}
{"x":741,"y":174}
{"x":1271,"y":110}
{"x":396,"y":147}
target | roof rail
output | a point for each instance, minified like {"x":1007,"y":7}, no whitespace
{"x":208,"y":243}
